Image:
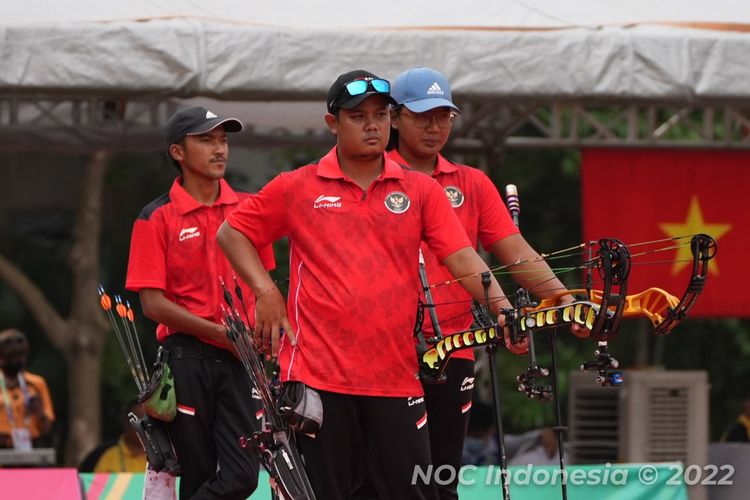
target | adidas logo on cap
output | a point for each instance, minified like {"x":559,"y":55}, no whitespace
{"x":210,"y":115}
{"x":435,"y":89}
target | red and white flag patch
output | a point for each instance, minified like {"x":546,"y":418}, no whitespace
{"x":422,"y":421}
{"x":187,"y":410}
{"x":466,"y":407}
{"x":259,"y":414}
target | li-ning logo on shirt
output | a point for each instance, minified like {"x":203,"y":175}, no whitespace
{"x":210,"y":115}
{"x":189,"y":232}
{"x":397,"y":202}
{"x":324,"y":201}
{"x":455,"y":196}
{"x":435,"y":89}
{"x":414,"y":401}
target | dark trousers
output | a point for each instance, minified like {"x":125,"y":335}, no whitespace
{"x":448,"y":407}
{"x":390,"y":434}
{"x":215,"y":408}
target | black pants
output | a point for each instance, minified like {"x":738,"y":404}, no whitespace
{"x":215,"y":408}
{"x":390,"y":434}
{"x":448,"y":406}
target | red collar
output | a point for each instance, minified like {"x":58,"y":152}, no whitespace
{"x":443,"y":166}
{"x":186,"y":203}
{"x":330,"y":168}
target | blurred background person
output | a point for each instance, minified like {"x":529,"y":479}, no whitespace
{"x":540,"y":450}
{"x":26,"y":413}
{"x":127,"y":455}
{"x":480,"y":445}
{"x":739,"y":430}
{"x":536,"y":447}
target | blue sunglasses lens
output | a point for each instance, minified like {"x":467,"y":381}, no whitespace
{"x":359,"y":87}
{"x":381,"y":85}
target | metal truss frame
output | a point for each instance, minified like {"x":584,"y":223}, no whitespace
{"x":32,"y":123}
{"x":561,"y":124}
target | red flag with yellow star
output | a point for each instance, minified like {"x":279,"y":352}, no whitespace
{"x":643,"y":195}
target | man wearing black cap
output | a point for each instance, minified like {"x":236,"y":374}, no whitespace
{"x":354,"y":220}
{"x":175,"y":266}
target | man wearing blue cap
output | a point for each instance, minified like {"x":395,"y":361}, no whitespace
{"x":420,"y":126}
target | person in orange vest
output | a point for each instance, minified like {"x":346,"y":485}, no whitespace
{"x":26,"y":413}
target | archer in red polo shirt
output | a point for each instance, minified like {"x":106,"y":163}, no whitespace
{"x":484,"y":219}
{"x":353,"y":285}
{"x":355,"y":222}
{"x":173,"y":248}
{"x":422,"y":119}
{"x":175,"y":266}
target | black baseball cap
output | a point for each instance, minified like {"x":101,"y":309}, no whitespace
{"x":194,"y":121}
{"x":339,"y":98}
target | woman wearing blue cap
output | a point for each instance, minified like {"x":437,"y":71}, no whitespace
{"x":421,"y":124}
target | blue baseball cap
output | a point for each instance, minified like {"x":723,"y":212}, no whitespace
{"x":422,"y":89}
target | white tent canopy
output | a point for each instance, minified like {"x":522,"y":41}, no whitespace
{"x":682,"y":50}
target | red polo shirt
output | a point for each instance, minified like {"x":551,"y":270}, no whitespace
{"x":354,"y":283}
{"x":173,"y":248}
{"x":485,"y":219}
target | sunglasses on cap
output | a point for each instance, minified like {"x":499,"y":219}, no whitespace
{"x":359,"y":87}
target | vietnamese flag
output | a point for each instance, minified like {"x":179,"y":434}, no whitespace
{"x":642,"y":195}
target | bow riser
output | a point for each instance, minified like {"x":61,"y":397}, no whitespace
{"x":653,"y":303}
{"x":582,"y":313}
{"x":435,"y":358}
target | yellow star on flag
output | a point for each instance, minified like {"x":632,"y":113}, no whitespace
{"x":693,"y":224}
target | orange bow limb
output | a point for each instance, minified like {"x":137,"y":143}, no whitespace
{"x":652,"y":303}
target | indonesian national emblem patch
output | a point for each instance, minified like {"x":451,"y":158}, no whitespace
{"x":455,"y":196}
{"x":397,"y":202}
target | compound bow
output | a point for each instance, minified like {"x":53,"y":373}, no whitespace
{"x":274,"y":444}
{"x":600,"y":312}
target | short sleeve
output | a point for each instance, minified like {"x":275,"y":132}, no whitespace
{"x":267,"y":257}
{"x":262,"y":218}
{"x":44,"y":395}
{"x":147,"y":261}
{"x":442,"y":230}
{"x":495,"y":222}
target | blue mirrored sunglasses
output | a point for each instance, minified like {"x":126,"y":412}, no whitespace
{"x":359,"y":87}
